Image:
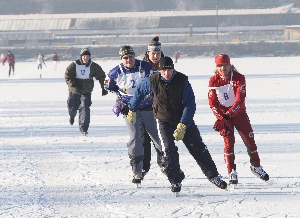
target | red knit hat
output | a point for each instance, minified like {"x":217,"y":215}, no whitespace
{"x":221,"y":59}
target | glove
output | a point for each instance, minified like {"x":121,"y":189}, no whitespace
{"x":221,"y":123}
{"x":77,"y":89}
{"x":131,"y":117}
{"x":116,"y":109}
{"x":224,"y":131}
{"x":104,"y":92}
{"x":179,"y":132}
{"x":124,"y":109}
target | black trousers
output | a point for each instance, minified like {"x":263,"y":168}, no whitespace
{"x":193,"y":142}
{"x":147,"y":150}
{"x":11,"y":67}
{"x":82,"y":103}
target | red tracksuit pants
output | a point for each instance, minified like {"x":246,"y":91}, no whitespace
{"x":242,"y":124}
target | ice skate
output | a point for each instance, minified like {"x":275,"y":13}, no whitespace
{"x":84,"y":133}
{"x":260,"y":173}
{"x":137,"y":179}
{"x":176,"y":188}
{"x":233,"y":178}
{"x":219,"y":182}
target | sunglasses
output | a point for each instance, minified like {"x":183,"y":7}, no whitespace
{"x":127,"y":57}
{"x":223,"y":65}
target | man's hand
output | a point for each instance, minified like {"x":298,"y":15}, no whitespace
{"x":124,"y":109}
{"x":223,"y":126}
{"x":224,"y":131}
{"x":221,"y":122}
{"x":104,"y":92}
{"x":179,"y":132}
{"x":131,"y":117}
{"x":116,"y":109}
{"x":77,"y":90}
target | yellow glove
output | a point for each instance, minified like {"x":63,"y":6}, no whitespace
{"x":179,"y":132}
{"x":131,"y":116}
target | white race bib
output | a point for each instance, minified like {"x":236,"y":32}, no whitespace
{"x":225,"y":94}
{"x":83,"y":72}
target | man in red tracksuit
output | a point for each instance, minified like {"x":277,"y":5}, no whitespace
{"x":226,"y":96}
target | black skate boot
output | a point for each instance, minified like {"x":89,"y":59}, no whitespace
{"x":176,"y":188}
{"x":84,"y":133}
{"x":219,"y":182}
{"x":260,"y":173}
{"x":137,"y":179}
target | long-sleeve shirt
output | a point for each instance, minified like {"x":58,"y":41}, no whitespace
{"x":227,"y":95}
{"x":188,"y":99}
{"x":10,"y":58}
{"x":82,"y":76}
{"x":124,"y":81}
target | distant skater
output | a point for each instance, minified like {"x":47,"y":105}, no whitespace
{"x":177,"y":55}
{"x":55,"y":60}
{"x":10,"y":58}
{"x":40,"y":61}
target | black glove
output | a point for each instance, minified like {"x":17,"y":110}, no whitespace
{"x":77,"y":89}
{"x":225,"y":116}
{"x":124,"y":109}
{"x":104,"y":92}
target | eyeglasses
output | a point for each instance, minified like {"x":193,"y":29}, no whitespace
{"x":223,"y":65}
{"x":127,"y":57}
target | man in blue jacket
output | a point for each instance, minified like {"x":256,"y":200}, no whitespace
{"x":174,"y":107}
{"x":123,"y":80}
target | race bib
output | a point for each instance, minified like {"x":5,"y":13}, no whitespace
{"x":226,"y":95}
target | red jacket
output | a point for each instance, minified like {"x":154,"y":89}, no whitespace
{"x":55,"y":57}
{"x":239,"y":90}
{"x":177,"y":54}
{"x":10,"y":58}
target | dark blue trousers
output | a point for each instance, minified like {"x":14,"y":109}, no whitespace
{"x":81,"y":103}
{"x":193,"y":142}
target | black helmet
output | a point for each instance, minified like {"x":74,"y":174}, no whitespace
{"x":85,"y":51}
{"x":125,"y":50}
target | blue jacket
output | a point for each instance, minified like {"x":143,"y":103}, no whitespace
{"x":124,"y":81}
{"x":189,"y":104}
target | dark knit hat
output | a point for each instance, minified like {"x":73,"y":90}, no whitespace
{"x":154,"y":45}
{"x":221,"y":59}
{"x":166,"y":63}
{"x":85,"y":51}
{"x":125,"y":50}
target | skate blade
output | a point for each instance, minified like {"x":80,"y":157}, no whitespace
{"x":137,"y":185}
{"x":176,"y":194}
{"x":231,"y":187}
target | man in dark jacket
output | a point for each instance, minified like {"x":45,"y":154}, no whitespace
{"x":79,"y":78}
{"x":174,"y":107}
